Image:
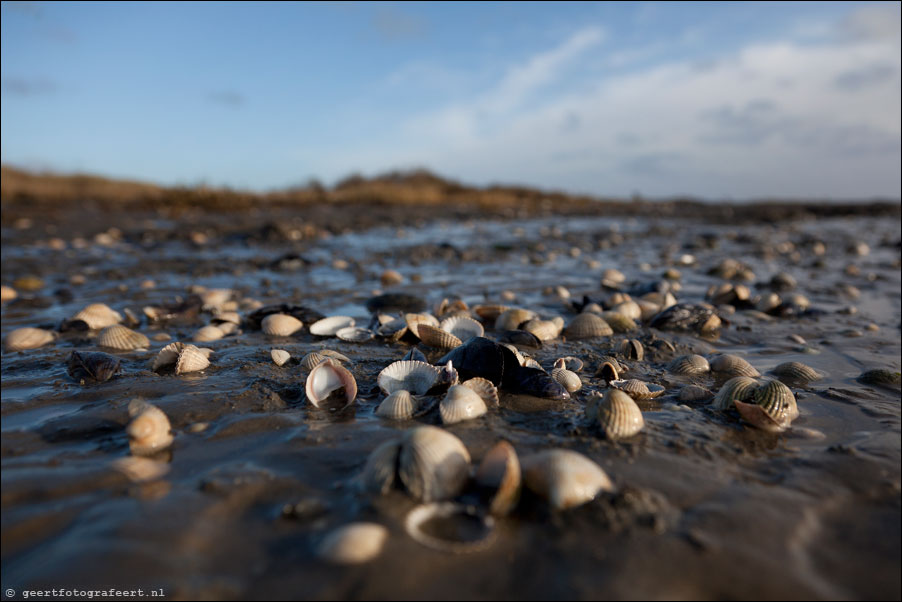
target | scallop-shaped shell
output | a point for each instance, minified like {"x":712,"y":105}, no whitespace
{"x":461,"y":403}
{"x":354,"y":334}
{"x":208,"y":333}
{"x":489,"y":313}
{"x":328,"y":327}
{"x":545,"y":330}
{"x":740,"y":388}
{"x":433,"y":464}
{"x":381,"y":466}
{"x":689,"y":365}
{"x":629,"y":309}
{"x":122,"y":337}
{"x":329,"y":385}
{"x":609,"y":371}
{"x":565,"y":478}
{"x":574,"y":364}
{"x":462,"y":327}
{"x":694,"y":393}
{"x":499,"y":472}
{"x":632,"y":349}
{"x":648,"y":309}
{"x":280,"y":356}
{"x":733,"y":365}
{"x":280,"y":325}
{"x":98,"y":315}
{"x":21,"y":339}
{"x":512,"y":318}
{"x":619,"y":322}
{"x":416,"y":377}
{"x":437,"y":338}
{"x":192,"y":359}
{"x":149,"y":431}
{"x":393,"y":330}
{"x":619,"y":416}
{"x":638,"y":389}
{"x":400,"y":405}
{"x":215,"y":298}
{"x":612,"y":277}
{"x":797,"y":371}
{"x":414,"y":321}
{"x":587,"y":326}
{"x":313,"y":358}
{"x":355,"y":543}
{"x":7,"y":293}
{"x":569,"y":380}
{"x":778,"y":401}
{"x":485,"y":389}
{"x":231,"y":317}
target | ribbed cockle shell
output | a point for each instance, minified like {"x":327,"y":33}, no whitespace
{"x":416,"y":377}
{"x":331,"y":386}
{"x":619,"y":416}
{"x":122,"y":338}
{"x":98,"y":315}
{"x":565,"y":478}
{"x":461,"y":403}
{"x":587,"y":326}
{"x":21,"y":339}
{"x":280,"y":325}
{"x":400,"y":405}
{"x":433,"y":464}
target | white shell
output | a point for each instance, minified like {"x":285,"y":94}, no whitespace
{"x":565,"y":478}
{"x":280,"y":325}
{"x":328,"y":327}
{"x":353,"y":334}
{"x":98,"y":315}
{"x":485,"y":389}
{"x":400,"y":405}
{"x":462,"y":327}
{"x":280,"y":356}
{"x":381,"y":465}
{"x":329,"y":384}
{"x":315,"y":357}
{"x":208,"y":333}
{"x":21,"y":339}
{"x":567,"y":379}
{"x":544,"y":330}
{"x":122,"y":337}
{"x":186,"y":358}
{"x":414,"y":321}
{"x":7,"y":293}
{"x":461,"y":403}
{"x":433,"y":464}
{"x":500,"y":471}
{"x":619,"y":416}
{"x":149,"y":431}
{"x":413,"y":376}
{"x":215,"y":298}
{"x":354,"y":543}
{"x":423,"y":513}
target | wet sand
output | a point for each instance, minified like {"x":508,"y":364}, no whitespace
{"x":706,"y":508}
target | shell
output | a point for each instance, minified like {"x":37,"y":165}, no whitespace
{"x":280,"y":356}
{"x":280,"y":325}
{"x":192,"y":359}
{"x":447,"y":375}
{"x":733,"y":365}
{"x":21,"y":339}
{"x":208,"y":333}
{"x":485,"y":389}
{"x":329,"y":385}
{"x":122,"y":338}
{"x":139,"y":470}
{"x":7,"y":293}
{"x":449,"y":539}
{"x":353,"y":334}
{"x":313,"y":358}
{"x":619,"y":416}
{"x":462,"y":327}
{"x":437,"y":338}
{"x":797,"y":371}
{"x":612,"y":278}
{"x":609,"y":371}
{"x":638,"y":389}
{"x":416,"y":377}
{"x":489,"y":313}
{"x":569,"y":380}
{"x":694,"y":393}
{"x":648,"y":309}
{"x":95,"y":366}
{"x":391,"y":278}
{"x":355,"y":543}
{"x":400,"y":405}
{"x":630,"y":309}
{"x":778,"y":401}
{"x":149,"y":431}
{"x":544,"y":330}
{"x":393,"y":330}
{"x":414,"y":321}
{"x":565,"y":478}
{"x":499,"y":472}
{"x":740,"y":388}
{"x":632,"y":349}
{"x":587,"y":326}
{"x":433,"y":464}
{"x":512,"y":318}
{"x":215,"y":298}
{"x":328,"y":327}
{"x":619,"y":322}
{"x":461,"y":403}
{"x":98,"y":315}
{"x":231,"y":317}
{"x":689,"y":365}
{"x":381,"y":465}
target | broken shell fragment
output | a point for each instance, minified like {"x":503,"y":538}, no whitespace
{"x":330,"y":386}
{"x":461,"y":528}
{"x":565,"y":478}
{"x":355,"y":543}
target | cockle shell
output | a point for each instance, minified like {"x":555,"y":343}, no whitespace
{"x":280,"y":325}
{"x":733,"y":365}
{"x":512,"y":318}
{"x":689,"y":365}
{"x":414,"y":321}
{"x":122,"y":338}
{"x":489,"y":313}
{"x":391,"y":278}
{"x":484,"y":388}
{"x":437,"y":338}
{"x":400,"y":405}
{"x":694,"y":393}
{"x":565,"y":478}
{"x":185,"y":358}
{"x":139,"y":469}
{"x":98,"y":315}
{"x":461,"y":403}
{"x":21,"y":339}
{"x":740,"y":388}
{"x":499,"y":472}
{"x":797,"y":371}
{"x":393,"y":330}
{"x":462,"y":327}
{"x":208,"y":333}
{"x":569,"y":380}
{"x":619,"y":322}
{"x":544,"y":330}
{"x":381,"y":467}
{"x":7,"y":293}
{"x":609,"y":371}
{"x":328,"y":327}
{"x":433,"y":464}
{"x":280,"y":356}
{"x":231,"y":317}
{"x":355,"y":543}
{"x":776,"y":401}
{"x":354,"y":334}
{"x":313,"y":358}
{"x":630,"y":309}
{"x":619,"y":416}
{"x":448,"y":306}
{"x":574,"y":364}
{"x":214,"y":298}
{"x":638,"y":389}
{"x":416,"y":377}
{"x":329,"y":385}
{"x":149,"y":431}
{"x":632,"y":349}
{"x":587,"y":326}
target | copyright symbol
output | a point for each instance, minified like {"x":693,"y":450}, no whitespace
{"x":10,"y":593}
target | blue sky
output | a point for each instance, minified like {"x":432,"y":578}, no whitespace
{"x":713,"y":100}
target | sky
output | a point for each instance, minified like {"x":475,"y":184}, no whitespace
{"x":710,"y":100}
